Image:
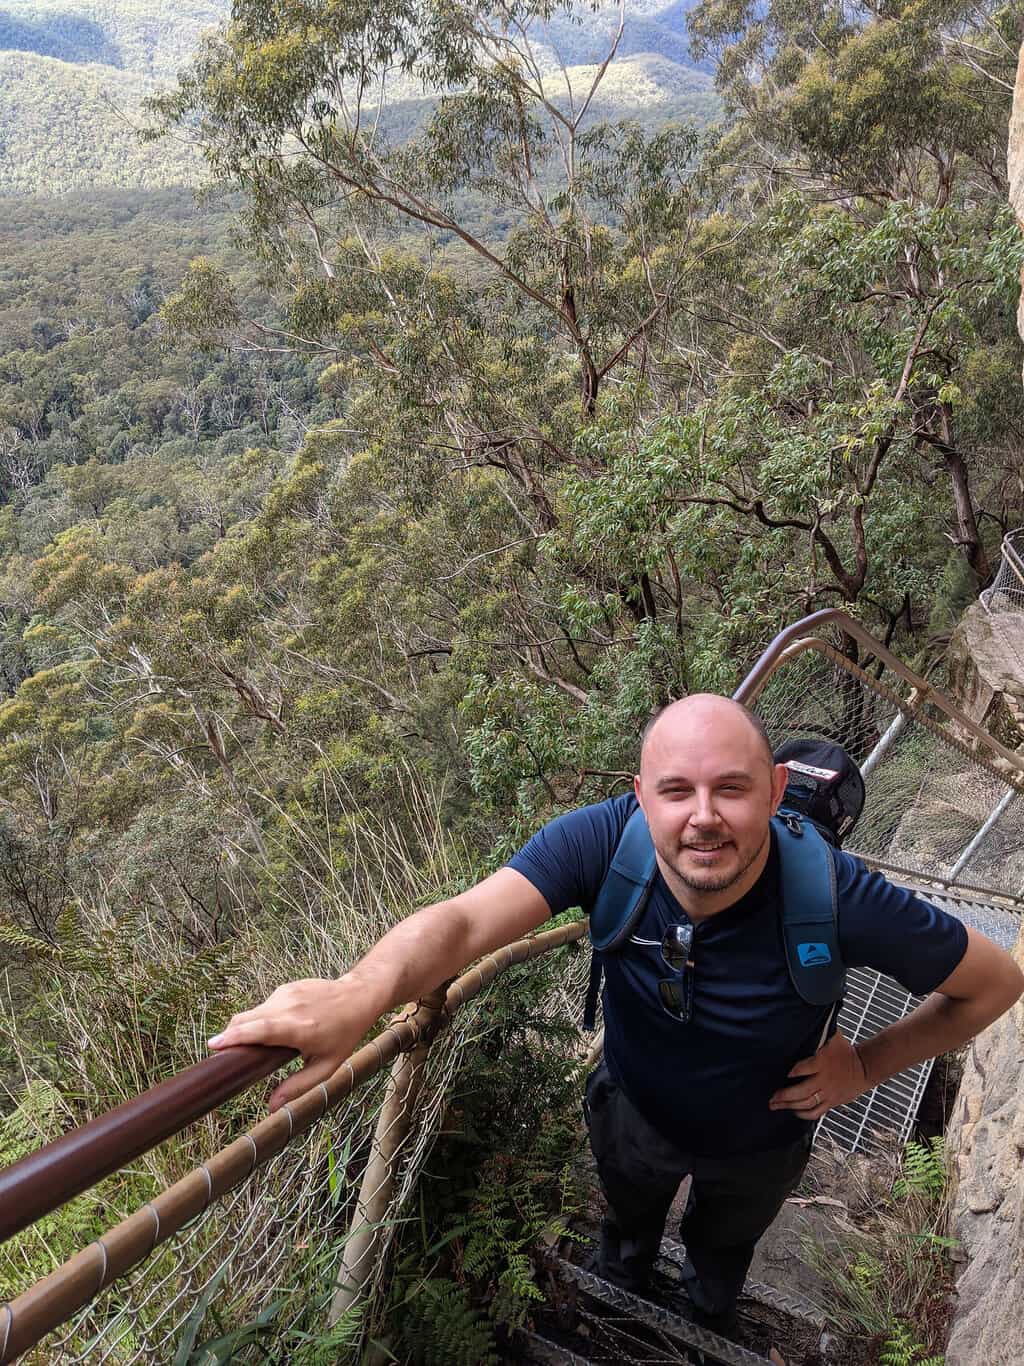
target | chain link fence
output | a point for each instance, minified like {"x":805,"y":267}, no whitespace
{"x":273,"y":1249}
{"x":1006,"y":591}
{"x":942,"y":803}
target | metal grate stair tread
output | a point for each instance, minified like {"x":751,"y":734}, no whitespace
{"x":714,"y":1348}
{"x":544,"y":1352}
{"x":673,"y":1256}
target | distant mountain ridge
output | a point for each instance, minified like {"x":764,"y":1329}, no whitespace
{"x":73,"y":75}
{"x":151,"y":38}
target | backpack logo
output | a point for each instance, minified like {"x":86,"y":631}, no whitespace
{"x":813,"y":955}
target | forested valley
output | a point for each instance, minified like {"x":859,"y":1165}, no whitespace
{"x":354,"y":518}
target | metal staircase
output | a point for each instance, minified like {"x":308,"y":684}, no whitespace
{"x":236,"y":1235}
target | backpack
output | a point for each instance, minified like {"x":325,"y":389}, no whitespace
{"x":820,"y":807}
{"x":825,"y":785}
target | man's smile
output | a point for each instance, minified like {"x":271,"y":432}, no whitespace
{"x":706,"y":850}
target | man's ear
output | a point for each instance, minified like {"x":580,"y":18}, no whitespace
{"x":780,"y":781}
{"x":636,"y":789}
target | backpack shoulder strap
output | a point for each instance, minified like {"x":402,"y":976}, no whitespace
{"x":623,"y":893}
{"x":620,"y":901}
{"x":810,"y":912}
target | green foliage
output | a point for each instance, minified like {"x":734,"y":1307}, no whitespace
{"x":890,"y":1282}
{"x":437,"y":1322}
{"x":503,"y":1179}
{"x":72,"y":86}
{"x":41,"y":1115}
{"x":63,"y":128}
{"x":305,"y":1348}
{"x":902,"y":1349}
{"x":599,"y":454}
{"x":924,"y":1170}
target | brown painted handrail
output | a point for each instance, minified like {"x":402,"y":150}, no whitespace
{"x":758,"y":676}
{"x":58,"y":1296}
{"x":49,"y":1177}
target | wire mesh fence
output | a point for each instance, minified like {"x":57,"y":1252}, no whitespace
{"x":1006,"y":591}
{"x":941,"y":802}
{"x":284,"y":1258}
{"x":887,"y":1112}
{"x":252,"y":1277}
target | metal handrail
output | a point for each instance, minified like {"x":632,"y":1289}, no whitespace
{"x":51,"y":1176}
{"x":801,"y":636}
{"x":1008,"y":550}
{"x":54,"y":1299}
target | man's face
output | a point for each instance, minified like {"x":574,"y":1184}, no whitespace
{"x":708,"y":789}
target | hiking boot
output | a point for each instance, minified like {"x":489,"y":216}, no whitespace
{"x":717,"y":1319}
{"x":608,"y":1263}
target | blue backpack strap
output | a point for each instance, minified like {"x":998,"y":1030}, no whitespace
{"x":620,"y":901}
{"x":626,"y":886}
{"x":810,"y":913}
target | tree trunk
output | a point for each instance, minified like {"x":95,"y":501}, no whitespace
{"x":968,"y":537}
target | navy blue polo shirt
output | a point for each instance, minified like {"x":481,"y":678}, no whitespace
{"x":706,"y":1084}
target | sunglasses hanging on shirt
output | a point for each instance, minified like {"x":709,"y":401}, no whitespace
{"x":676,"y":992}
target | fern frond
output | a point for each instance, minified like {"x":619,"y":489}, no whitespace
{"x":13,"y":938}
{"x":440,"y":1325}
{"x":924,"y":1170}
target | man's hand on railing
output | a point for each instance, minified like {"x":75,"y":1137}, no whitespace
{"x":323,"y":1019}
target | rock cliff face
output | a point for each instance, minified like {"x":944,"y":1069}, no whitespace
{"x":986,"y":1137}
{"x":1015,"y":164}
{"x":986,"y":670}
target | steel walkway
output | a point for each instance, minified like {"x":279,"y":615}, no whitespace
{"x":874,"y":1001}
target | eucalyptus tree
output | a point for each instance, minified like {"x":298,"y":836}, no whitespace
{"x":854,"y":430}
{"x":616,"y":404}
{"x":477,"y":293}
{"x":873,"y":415}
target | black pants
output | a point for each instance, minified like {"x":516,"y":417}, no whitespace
{"x":732,"y":1199}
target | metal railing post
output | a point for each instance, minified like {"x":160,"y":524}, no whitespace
{"x":979,"y":839}
{"x":380,"y":1176}
{"x":890,"y":736}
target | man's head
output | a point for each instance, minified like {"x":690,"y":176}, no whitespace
{"x":708,"y":785}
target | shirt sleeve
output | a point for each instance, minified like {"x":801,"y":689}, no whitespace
{"x":566,"y":860}
{"x":885,"y":927}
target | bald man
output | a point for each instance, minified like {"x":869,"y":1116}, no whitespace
{"x":714,"y":1066}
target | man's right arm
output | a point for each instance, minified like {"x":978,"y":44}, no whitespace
{"x":324,"y":1020}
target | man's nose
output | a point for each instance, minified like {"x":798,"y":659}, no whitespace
{"x":704,"y":810}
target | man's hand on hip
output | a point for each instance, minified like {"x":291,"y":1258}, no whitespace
{"x":832,"y":1077}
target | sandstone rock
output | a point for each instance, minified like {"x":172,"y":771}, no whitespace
{"x":1015,"y":147}
{"x":986,"y":670}
{"x":986,"y":1137}
{"x":1015,"y":164}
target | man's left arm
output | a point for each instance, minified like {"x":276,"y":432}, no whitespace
{"x":984,"y":984}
